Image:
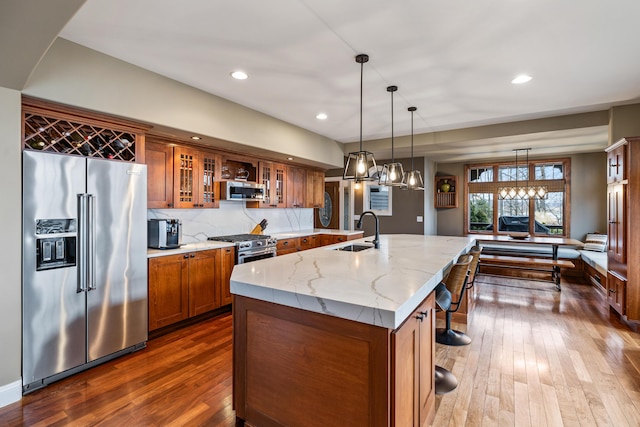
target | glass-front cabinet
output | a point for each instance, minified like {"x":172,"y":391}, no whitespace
{"x":273,"y":177}
{"x":196,"y":175}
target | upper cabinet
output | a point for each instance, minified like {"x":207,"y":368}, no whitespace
{"x":274,"y":177}
{"x":616,"y":159}
{"x":195,"y":178}
{"x":234,"y":169}
{"x":315,"y":189}
{"x":296,"y":187}
{"x":159,"y":159}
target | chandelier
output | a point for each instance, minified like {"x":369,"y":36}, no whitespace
{"x":522,"y":192}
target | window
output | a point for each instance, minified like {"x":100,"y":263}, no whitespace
{"x":487,"y":212}
{"x":377,"y":198}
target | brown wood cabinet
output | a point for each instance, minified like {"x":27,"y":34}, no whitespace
{"x":187,"y":285}
{"x":168,"y":290}
{"x":227,"y":261}
{"x":623,"y":250}
{"x":341,"y":371}
{"x":195,"y":178}
{"x":274,"y":177}
{"x":287,"y":246}
{"x":159,"y":160}
{"x":413,"y":363}
{"x":616,"y":159}
{"x":616,"y":292}
{"x":204,"y":286}
{"x":315,"y":189}
{"x":448,"y":198}
{"x":296,"y":187}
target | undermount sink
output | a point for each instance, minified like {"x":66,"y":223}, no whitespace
{"x":354,"y":248}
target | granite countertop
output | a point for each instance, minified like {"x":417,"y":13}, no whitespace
{"x":189,"y":247}
{"x":379,"y":287}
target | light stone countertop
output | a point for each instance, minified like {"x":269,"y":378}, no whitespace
{"x":189,"y":247}
{"x":379,"y":287}
{"x":293,"y":234}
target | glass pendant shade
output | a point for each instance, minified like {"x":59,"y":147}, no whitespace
{"x":414,"y":180}
{"x":360,"y":164}
{"x":392,"y":175}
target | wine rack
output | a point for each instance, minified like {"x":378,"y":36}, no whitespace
{"x":74,"y":137}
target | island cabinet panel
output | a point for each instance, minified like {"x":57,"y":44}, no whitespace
{"x":413,"y":359}
{"x":168,"y":290}
{"x":295,"y":367}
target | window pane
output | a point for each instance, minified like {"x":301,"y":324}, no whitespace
{"x":481,"y":174}
{"x":549,"y":212}
{"x":513,"y":215}
{"x":378,"y":198}
{"x":480,"y":211}
{"x":508,"y":173}
{"x":549,"y":171}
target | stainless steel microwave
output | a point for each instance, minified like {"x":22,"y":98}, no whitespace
{"x":242,"y":190}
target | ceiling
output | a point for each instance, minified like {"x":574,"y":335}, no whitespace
{"x":453,"y":60}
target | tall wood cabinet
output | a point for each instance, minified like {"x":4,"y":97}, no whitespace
{"x":296,"y":187}
{"x":623,"y":210}
{"x":315,"y":189}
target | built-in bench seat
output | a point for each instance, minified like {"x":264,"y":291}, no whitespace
{"x":550,"y":265}
{"x":595,"y":269}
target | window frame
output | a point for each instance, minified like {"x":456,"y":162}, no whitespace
{"x":565,"y":183}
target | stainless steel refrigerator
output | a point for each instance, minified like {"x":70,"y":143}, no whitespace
{"x":84,"y":264}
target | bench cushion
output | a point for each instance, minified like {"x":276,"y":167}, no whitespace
{"x":597,"y":260}
{"x":530,"y":249}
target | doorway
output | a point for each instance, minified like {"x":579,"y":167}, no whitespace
{"x":329,"y":215}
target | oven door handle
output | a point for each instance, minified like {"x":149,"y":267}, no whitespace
{"x":271,"y":250}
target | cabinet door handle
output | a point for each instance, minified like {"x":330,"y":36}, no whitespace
{"x":186,"y":256}
{"x":420,"y":317}
{"x":170,"y":205}
{"x":193,"y":255}
{"x":425,"y":313}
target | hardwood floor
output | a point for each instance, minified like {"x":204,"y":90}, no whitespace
{"x":538,"y":358}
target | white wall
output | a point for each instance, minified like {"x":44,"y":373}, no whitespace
{"x":11,"y":251}
{"x":74,"y":75}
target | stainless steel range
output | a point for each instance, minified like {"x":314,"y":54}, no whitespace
{"x":250,"y":247}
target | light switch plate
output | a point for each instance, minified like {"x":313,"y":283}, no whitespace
{"x":419,"y":218}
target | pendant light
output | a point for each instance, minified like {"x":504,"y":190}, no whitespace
{"x":392,"y":173}
{"x":360,"y":163}
{"x":413,"y":179}
{"x":526,"y":192}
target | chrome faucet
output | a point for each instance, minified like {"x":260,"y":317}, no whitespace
{"x":376,"y":240}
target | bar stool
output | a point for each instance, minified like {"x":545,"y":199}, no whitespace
{"x":456,"y":283}
{"x":474,"y":267}
{"x":445,"y":381}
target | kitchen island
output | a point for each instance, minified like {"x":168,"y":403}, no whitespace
{"x":330,"y":337}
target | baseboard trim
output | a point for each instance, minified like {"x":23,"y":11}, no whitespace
{"x":10,"y":393}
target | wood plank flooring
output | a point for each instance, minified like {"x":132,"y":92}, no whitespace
{"x":538,"y":358}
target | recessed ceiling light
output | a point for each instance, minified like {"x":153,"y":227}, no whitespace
{"x":522,"y":78}
{"x":195,"y":138}
{"x":239,"y":75}
{"x":321,"y":116}
{"x":289,"y":158}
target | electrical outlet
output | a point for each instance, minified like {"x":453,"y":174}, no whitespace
{"x":419,"y":218}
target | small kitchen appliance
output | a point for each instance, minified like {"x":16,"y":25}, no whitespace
{"x":164,"y":233}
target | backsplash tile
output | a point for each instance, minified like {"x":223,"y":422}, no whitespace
{"x":234,"y":218}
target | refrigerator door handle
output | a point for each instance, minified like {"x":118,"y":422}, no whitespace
{"x":82,"y":243}
{"x":91,"y":243}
